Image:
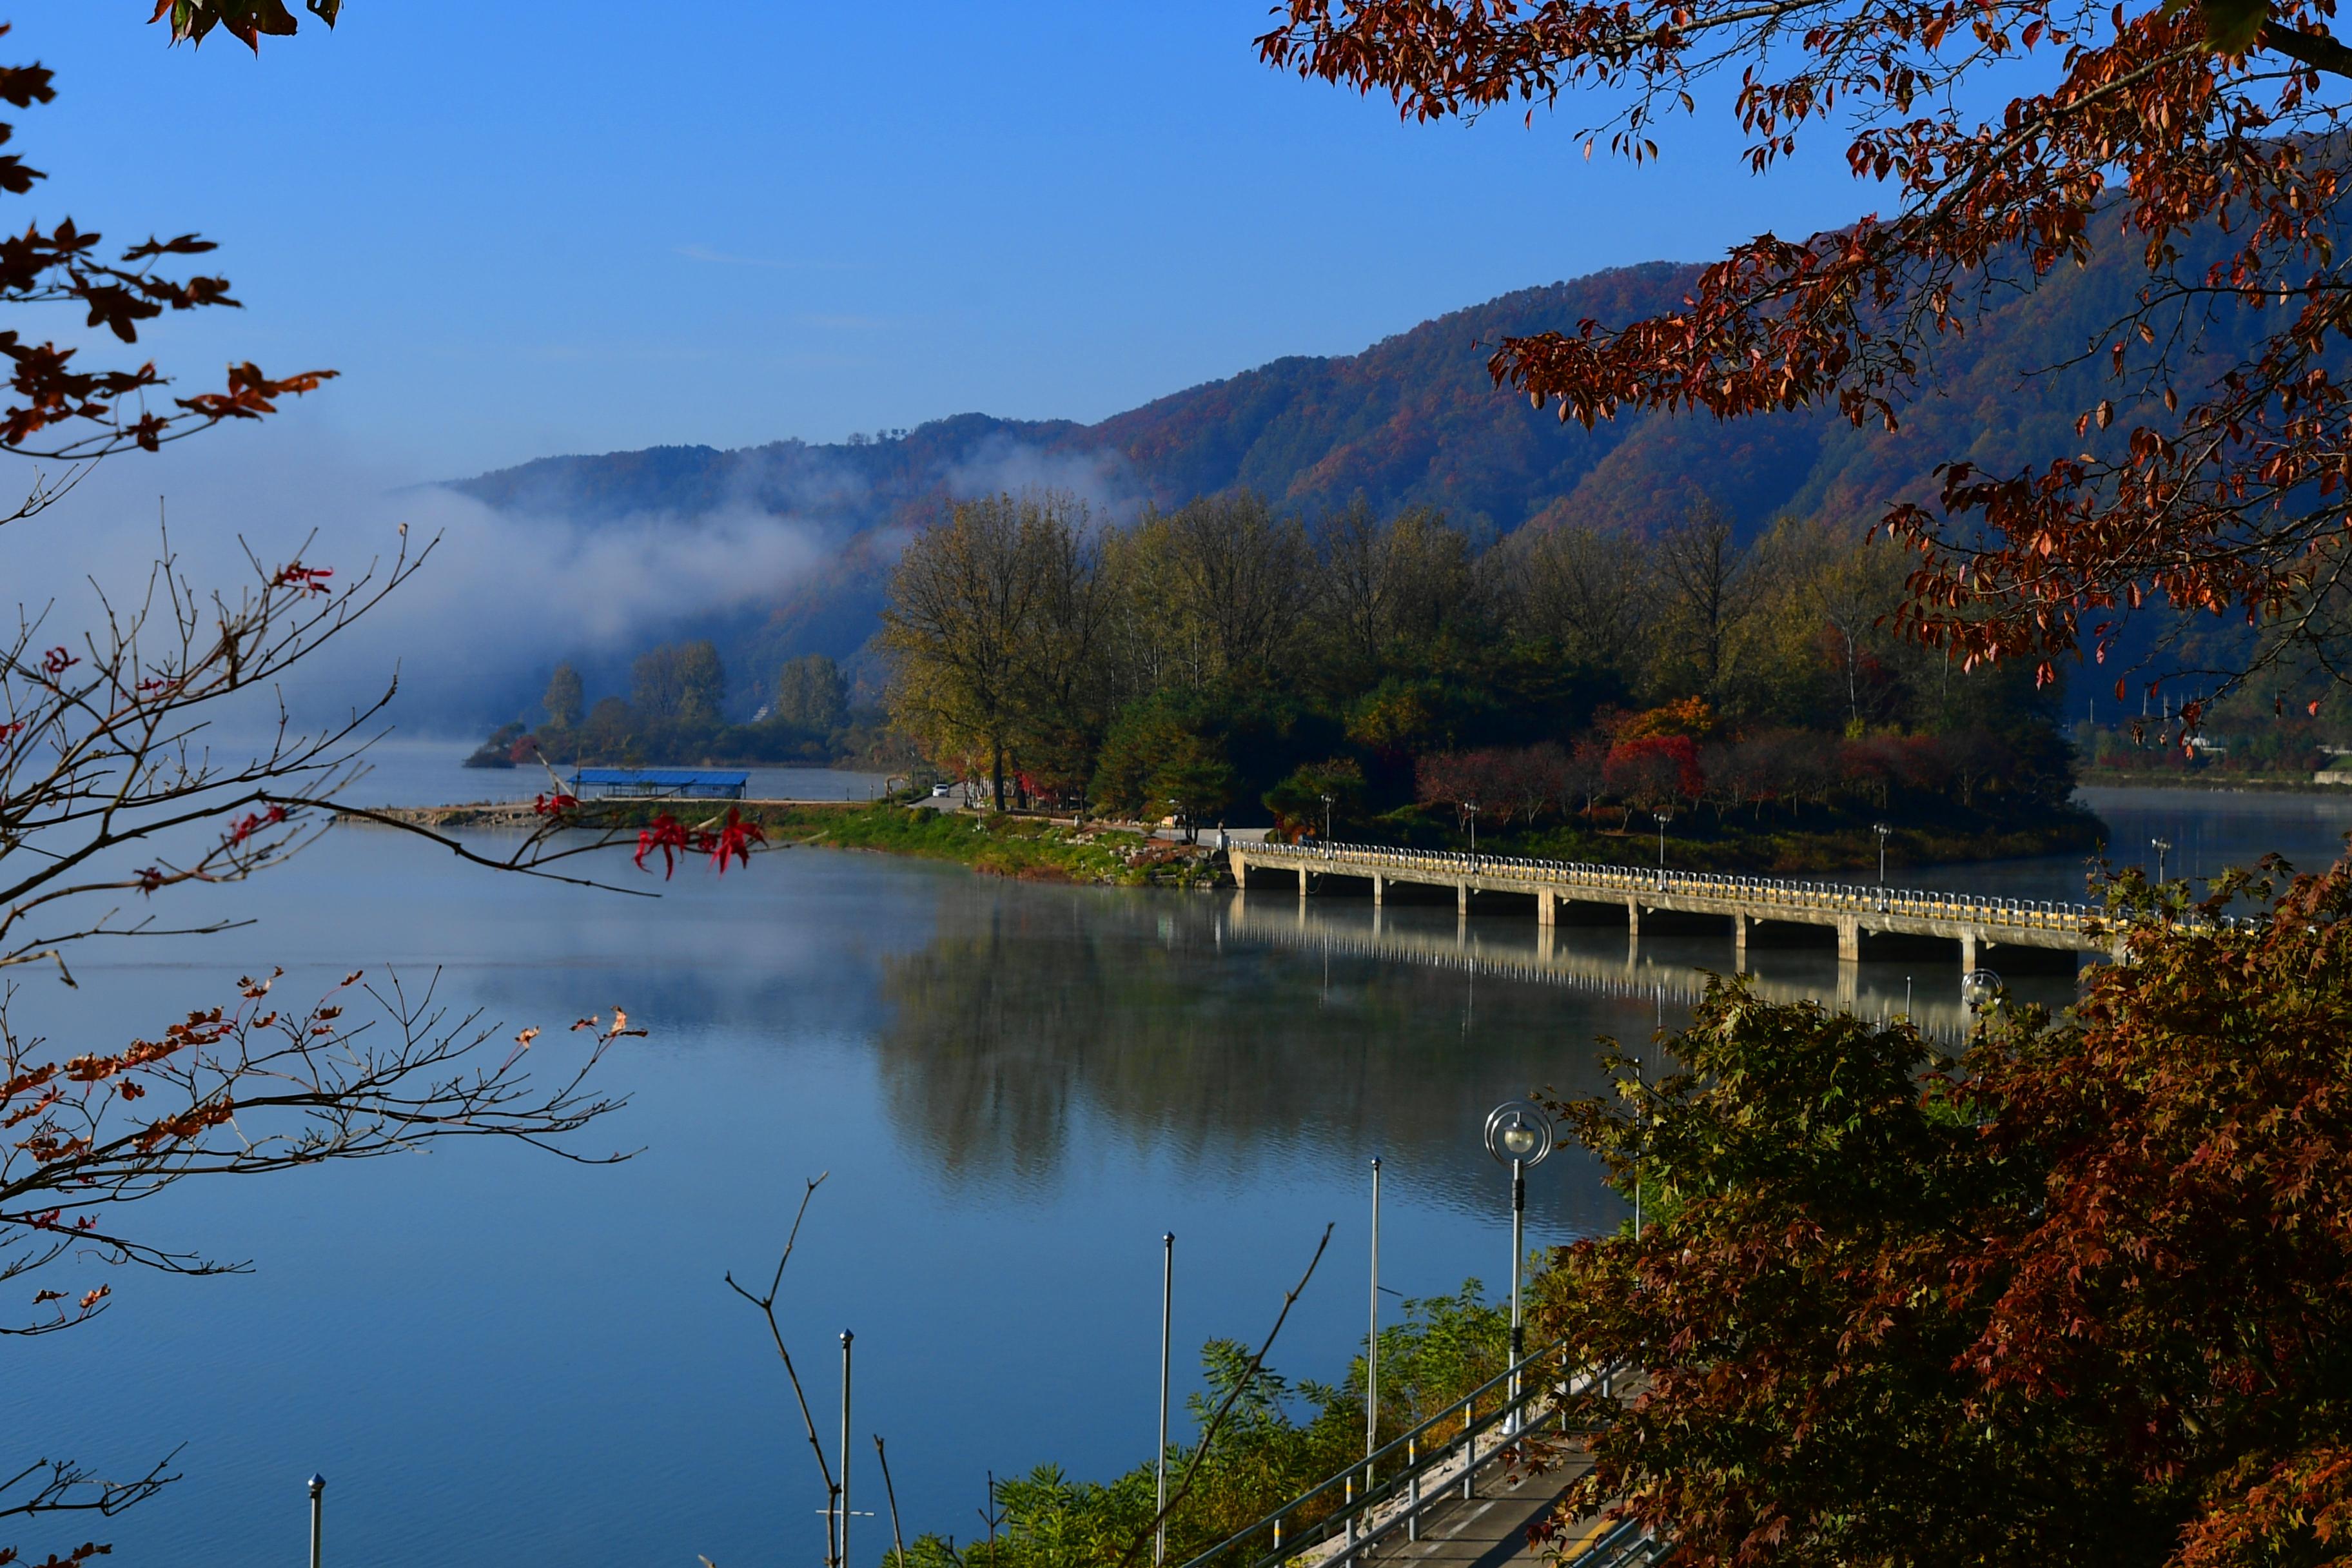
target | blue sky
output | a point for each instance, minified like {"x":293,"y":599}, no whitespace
{"x":522,"y":228}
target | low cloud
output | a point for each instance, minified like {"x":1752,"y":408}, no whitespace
{"x":500,"y":598}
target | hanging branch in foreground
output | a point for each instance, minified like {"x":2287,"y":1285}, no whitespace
{"x":241,"y":1088}
{"x":767,"y":1305}
{"x":1241,"y":1385}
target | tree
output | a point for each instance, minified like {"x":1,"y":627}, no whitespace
{"x":681,"y":683}
{"x":1318,"y":796}
{"x":1701,"y":569}
{"x":811,"y":694}
{"x":2076,"y":1295}
{"x":566,"y":698}
{"x":1573,"y":588}
{"x":1383,"y":582}
{"x":2205,"y":470}
{"x":962,"y":608}
{"x":1227,"y":580}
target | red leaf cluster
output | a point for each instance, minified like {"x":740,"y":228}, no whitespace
{"x":731,"y":839}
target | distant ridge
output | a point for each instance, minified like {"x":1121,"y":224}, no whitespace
{"x":1413,"y":420}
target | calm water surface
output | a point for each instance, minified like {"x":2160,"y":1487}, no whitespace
{"x":1016,"y":1090}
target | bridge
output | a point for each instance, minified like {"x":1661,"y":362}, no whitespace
{"x":1976,"y":922}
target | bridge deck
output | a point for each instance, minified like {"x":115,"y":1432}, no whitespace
{"x":1972,"y":920}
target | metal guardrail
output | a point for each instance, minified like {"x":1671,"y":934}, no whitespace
{"x":1768,"y":892}
{"x":1400,"y":1469}
{"x":1626,"y":1545}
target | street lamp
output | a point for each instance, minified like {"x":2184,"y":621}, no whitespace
{"x":2160,"y":845}
{"x":1664,"y":817}
{"x":1518,"y":1134}
{"x":1470,"y":812}
{"x":1326,"y":819}
{"x":1882,"y":830}
{"x":1979,"y":987}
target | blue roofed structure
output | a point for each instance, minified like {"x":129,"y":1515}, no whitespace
{"x":700,"y":783}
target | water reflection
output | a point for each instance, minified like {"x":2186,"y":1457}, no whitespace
{"x":1223,"y":1033}
{"x":1168,"y":1025}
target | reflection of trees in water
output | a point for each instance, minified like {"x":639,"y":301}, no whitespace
{"x":1037,"y":1006}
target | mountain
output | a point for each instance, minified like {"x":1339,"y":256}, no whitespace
{"x":1413,"y":420}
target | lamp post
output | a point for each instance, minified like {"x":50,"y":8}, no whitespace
{"x":1470,"y":811}
{"x":317,"y":1508}
{"x":1326,"y":819}
{"x":1518,"y":1134}
{"x":1372,"y":1342}
{"x":845,"y":1337}
{"x":2160,"y":845}
{"x":1160,"y":1465}
{"x":1882,"y":830}
{"x":1664,"y":817}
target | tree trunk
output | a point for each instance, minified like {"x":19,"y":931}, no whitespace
{"x":996,"y":774}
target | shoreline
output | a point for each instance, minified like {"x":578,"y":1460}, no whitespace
{"x":1109,"y":854}
{"x":2241,"y":785}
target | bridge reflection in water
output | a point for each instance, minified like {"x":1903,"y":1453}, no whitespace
{"x":1673,"y":970}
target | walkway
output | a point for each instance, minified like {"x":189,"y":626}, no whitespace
{"x":1975,"y":921}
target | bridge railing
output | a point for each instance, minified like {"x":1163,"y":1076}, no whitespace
{"x":1361,"y":1505}
{"x":2045,"y":914}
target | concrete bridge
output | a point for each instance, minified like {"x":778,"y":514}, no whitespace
{"x":1975,"y":923}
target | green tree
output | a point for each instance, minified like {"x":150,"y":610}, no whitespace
{"x":681,"y":683}
{"x":1318,"y":796}
{"x":811,"y":694}
{"x":566,"y":698}
{"x":2078,"y":1295}
{"x":991,"y":624}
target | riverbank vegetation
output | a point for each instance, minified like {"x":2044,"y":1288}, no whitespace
{"x":1883,"y":1297}
{"x":1403,"y":677}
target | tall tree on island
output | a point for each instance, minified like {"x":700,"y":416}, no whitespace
{"x":2206,"y":139}
{"x":566,"y":700}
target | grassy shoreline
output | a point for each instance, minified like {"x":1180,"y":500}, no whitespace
{"x":1035,"y":848}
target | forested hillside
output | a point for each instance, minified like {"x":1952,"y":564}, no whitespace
{"x":1411,"y":421}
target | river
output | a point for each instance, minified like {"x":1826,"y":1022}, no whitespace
{"x":1015,"y":1089}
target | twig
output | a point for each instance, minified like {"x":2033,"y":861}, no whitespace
{"x":767,"y":1305}
{"x":892,"y":1493}
{"x":1208,"y":1434}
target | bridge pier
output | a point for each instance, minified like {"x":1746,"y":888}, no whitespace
{"x":1968,"y":951}
{"x":1739,"y":944}
{"x":1380,"y":887}
{"x":1849,"y":932}
{"x":1302,"y":881}
{"x":1547,"y":910}
{"x":1240,"y":868}
{"x":1461,"y":898}
{"x":1633,"y":919}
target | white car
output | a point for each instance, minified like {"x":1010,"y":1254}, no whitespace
{"x":941,"y":791}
